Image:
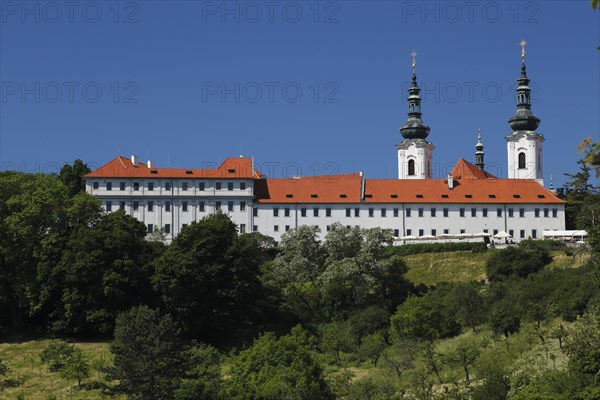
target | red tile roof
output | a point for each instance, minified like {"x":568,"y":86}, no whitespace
{"x":465,"y":170}
{"x":313,"y":189}
{"x":122,"y":167}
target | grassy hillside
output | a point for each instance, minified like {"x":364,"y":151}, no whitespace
{"x":33,"y":381}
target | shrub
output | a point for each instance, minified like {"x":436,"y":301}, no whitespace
{"x":57,"y":354}
{"x":516,"y":261}
{"x":420,"y":248}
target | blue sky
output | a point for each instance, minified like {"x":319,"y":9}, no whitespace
{"x":304,"y":87}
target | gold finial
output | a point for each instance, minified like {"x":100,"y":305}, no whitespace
{"x":478,"y":134}
{"x":523,"y":44}
{"x":414,"y":61}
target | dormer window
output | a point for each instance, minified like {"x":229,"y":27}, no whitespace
{"x":289,"y":196}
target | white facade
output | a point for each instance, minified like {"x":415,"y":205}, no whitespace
{"x":525,"y":156}
{"x":414,"y":159}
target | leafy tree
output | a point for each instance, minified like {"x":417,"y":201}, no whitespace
{"x":3,"y":368}
{"x":504,"y":319}
{"x":468,"y":304}
{"x":494,"y":374}
{"x":72,"y":176}
{"x":337,"y":338}
{"x":424,"y":318}
{"x":209,"y":277}
{"x":514,"y":261}
{"x":582,"y":209}
{"x":584,"y":345}
{"x":203,"y":380}
{"x":432,"y":359}
{"x":277,"y":368}
{"x":401,"y":356}
{"x":149,"y":357}
{"x":76,"y":367}
{"x":464,"y":354}
{"x":372,"y":346}
{"x":367,"y":321}
{"x":56,"y":355}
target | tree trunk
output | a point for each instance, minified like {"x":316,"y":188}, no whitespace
{"x":466,"y":368}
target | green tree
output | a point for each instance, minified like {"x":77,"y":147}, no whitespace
{"x":57,"y":354}
{"x":515,"y":261}
{"x":337,"y":338}
{"x":203,"y":379}
{"x":468,"y":304}
{"x":372,"y":347}
{"x":277,"y":368}
{"x":464,"y":354}
{"x":584,"y":345}
{"x":504,"y":319}
{"x":72,"y":176}
{"x":76,"y":367}
{"x":208,"y":278}
{"x":149,"y":359}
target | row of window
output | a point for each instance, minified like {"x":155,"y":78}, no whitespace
{"x":420,"y":212}
{"x":184,"y":186}
{"x":184,"y":206}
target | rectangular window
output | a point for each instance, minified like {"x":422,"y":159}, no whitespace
{"x":287,"y":228}
{"x":286,"y":212}
{"x":461,"y":212}
{"x":230,"y":206}
{"x":537,"y":212}
{"x":328,"y":212}
{"x":168,"y":186}
{"x":167,"y":228}
{"x":408,"y":232}
{"x":396,"y":212}
{"x":109,"y":186}
{"x":184,"y":186}
{"x":242,"y":228}
{"x":420,"y":212}
{"x":495,"y":232}
{"x":473,"y":212}
{"x":510,"y":212}
{"x":150,"y":206}
{"x":276,"y":212}
{"x":276,"y":228}
{"x":121,"y":185}
{"x":150,"y":228}
{"x":522,"y":233}
{"x":554,"y":212}
{"x":396,"y":233}
{"x":109,"y":206}
{"x":183,"y":226}
{"x":534,"y":233}
{"x":348,"y":212}
{"x":383,"y":212}
{"x":230,"y":186}
{"x":136,"y":186}
{"x":303,"y":212}
{"x":498,"y":212}
{"x":446,"y":231}
{"x":511,"y":233}
{"x":521,"y":212}
{"x":315,"y":212}
{"x":371,"y":212}
{"x":254,"y":228}
{"x":242,"y":206}
{"x":357,"y":212}
{"x":462,"y":231}
{"x":95,"y":185}
{"x":445,"y":212}
{"x":408,"y":212}
{"x":484,"y":212}
{"x":136,"y":205}
{"x":167,"y":206}
{"x":150,"y":186}
{"x":421,"y":232}
{"x":122,"y":205}
{"x":434,"y":232}
{"x":242,"y":185}
{"x":218,"y":186}
{"x":433,"y":212}
{"x":217,"y":205}
{"x":546,"y":212}
{"x":201,"y":186}
{"x":184,"y":206}
{"x":201,"y":206}
{"x":255,"y":212}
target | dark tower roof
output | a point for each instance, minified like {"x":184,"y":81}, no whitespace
{"x":414,"y":128}
{"x":523,"y":120}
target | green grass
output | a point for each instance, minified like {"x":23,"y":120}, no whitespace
{"x":433,"y":268}
{"x":33,"y":381}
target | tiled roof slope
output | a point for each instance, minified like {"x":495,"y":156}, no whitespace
{"x":122,"y":167}
{"x":465,"y":170}
{"x":312,"y":189}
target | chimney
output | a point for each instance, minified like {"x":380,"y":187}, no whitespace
{"x":134,"y":160}
{"x":450,"y":181}
{"x":149,"y":164}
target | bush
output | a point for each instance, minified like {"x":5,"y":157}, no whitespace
{"x":516,"y":261}
{"x":57,"y":354}
{"x":420,"y":248}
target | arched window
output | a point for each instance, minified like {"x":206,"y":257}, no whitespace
{"x":522,"y":161}
{"x":411,"y":167}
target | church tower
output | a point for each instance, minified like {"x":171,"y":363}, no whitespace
{"x":479,"y":163}
{"x":414,"y":152}
{"x":524,"y":144}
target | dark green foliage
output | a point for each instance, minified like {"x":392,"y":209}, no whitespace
{"x":428,"y":317}
{"x":209,"y":277}
{"x":516,"y":261}
{"x":72,"y":176}
{"x":584,"y":345}
{"x":420,"y":248}
{"x":149,"y":356}
{"x":337,"y":338}
{"x":3,"y":368}
{"x":504,"y":318}
{"x":57,"y":354}
{"x":372,"y":347}
{"x":76,"y":368}
{"x":466,"y":300}
{"x":367,"y":321}
{"x":202,"y":380}
{"x":277,"y":368}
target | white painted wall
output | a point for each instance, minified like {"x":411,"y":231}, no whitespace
{"x":531,"y":145}
{"x":419,"y":151}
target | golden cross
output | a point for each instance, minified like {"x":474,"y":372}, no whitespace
{"x":414,"y":62}
{"x":523,"y":44}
